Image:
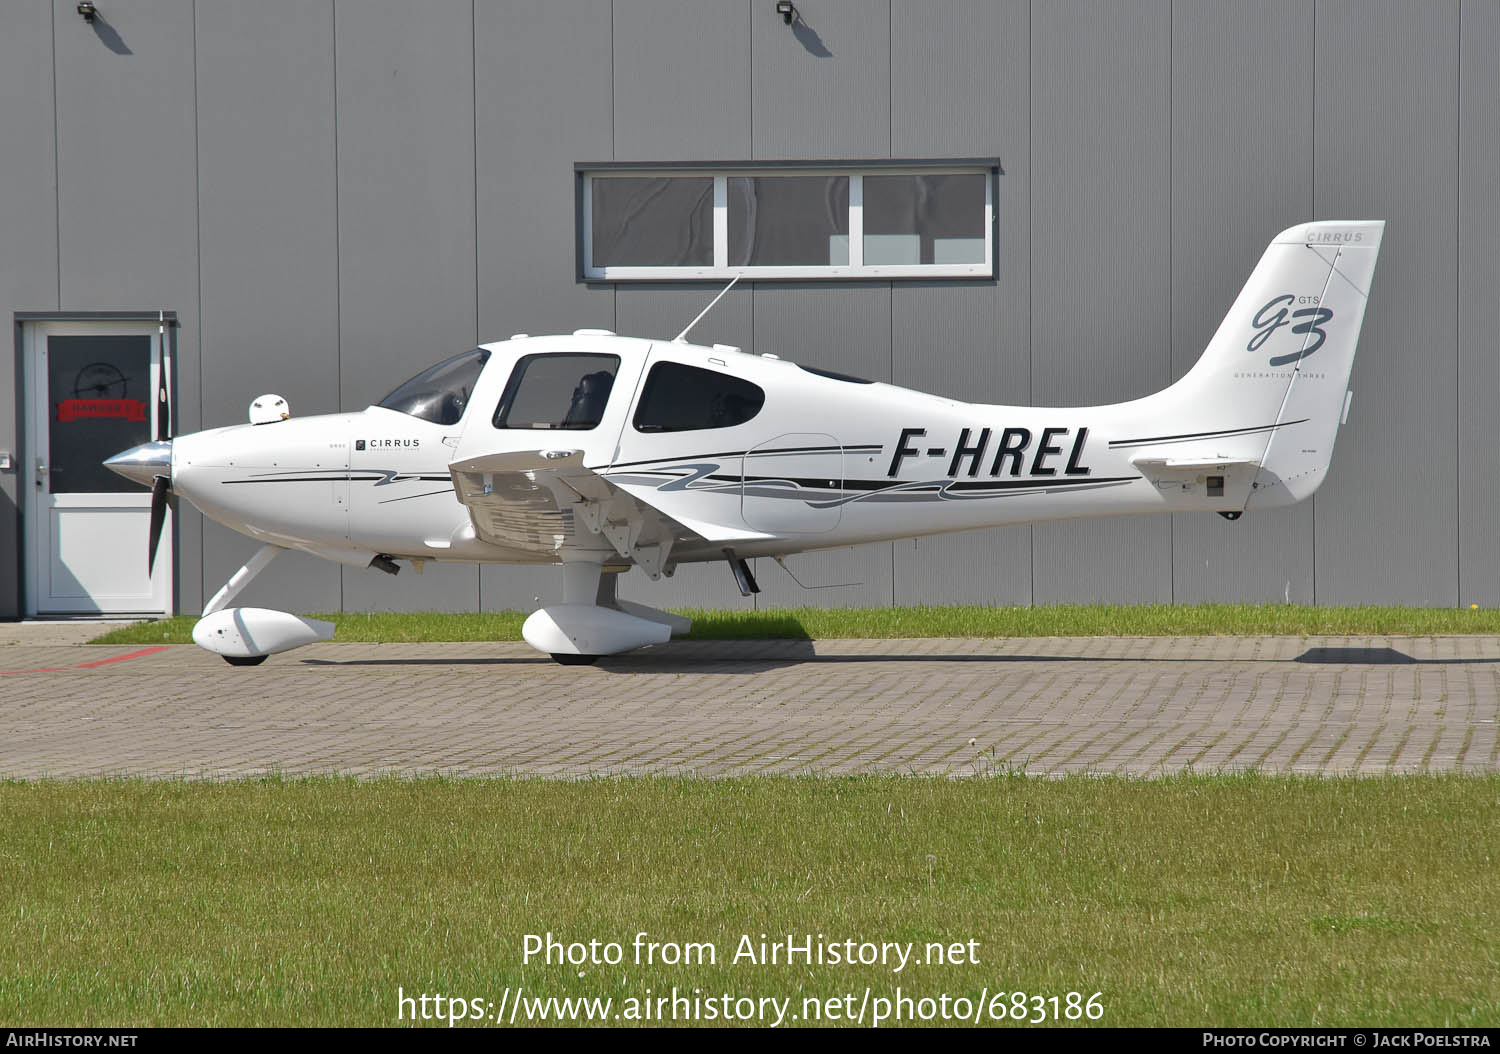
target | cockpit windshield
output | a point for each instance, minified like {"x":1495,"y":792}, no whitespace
{"x":439,"y":393}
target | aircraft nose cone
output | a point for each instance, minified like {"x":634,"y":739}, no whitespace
{"x":143,"y":463}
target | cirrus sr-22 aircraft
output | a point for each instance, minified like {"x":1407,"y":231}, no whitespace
{"x":604,"y":453}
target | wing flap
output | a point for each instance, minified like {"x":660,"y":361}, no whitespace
{"x":546,"y":501}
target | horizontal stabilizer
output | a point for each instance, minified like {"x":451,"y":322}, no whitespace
{"x":1192,"y":478}
{"x":1193,"y":463}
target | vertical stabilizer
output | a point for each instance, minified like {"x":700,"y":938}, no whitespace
{"x":1272,"y":383}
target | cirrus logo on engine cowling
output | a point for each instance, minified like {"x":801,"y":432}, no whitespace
{"x":386,"y":444}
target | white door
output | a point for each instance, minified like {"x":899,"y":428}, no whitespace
{"x":91,"y":392}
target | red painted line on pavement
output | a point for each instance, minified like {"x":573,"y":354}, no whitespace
{"x":121,"y":658}
{"x":88,"y":665}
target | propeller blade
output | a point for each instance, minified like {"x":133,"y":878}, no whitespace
{"x":163,"y":404}
{"x":159,"y":491}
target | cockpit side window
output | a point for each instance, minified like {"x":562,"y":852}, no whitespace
{"x":682,"y":398}
{"x":440,"y":393}
{"x":565,"y":391}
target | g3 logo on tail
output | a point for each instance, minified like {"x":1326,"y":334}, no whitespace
{"x":1274,"y":315}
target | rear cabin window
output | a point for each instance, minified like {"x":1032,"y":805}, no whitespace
{"x":557,"y":392}
{"x":679,"y":398}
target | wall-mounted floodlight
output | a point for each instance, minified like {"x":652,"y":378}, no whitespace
{"x":88,"y":12}
{"x":787,"y":10}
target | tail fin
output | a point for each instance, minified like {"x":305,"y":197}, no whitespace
{"x":1272,"y":386}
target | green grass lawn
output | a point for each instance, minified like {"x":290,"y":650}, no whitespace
{"x":1229,"y":900}
{"x":1082,"y":620}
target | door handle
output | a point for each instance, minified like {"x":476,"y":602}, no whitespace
{"x":41,"y":472}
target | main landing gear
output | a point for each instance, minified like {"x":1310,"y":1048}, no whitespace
{"x":592,"y":621}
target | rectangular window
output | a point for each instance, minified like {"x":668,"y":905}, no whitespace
{"x":557,"y":391}
{"x":653,"y":222}
{"x":924,"y":219}
{"x":782,"y":220}
{"x":797,"y":221}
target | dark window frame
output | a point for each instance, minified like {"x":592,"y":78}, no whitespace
{"x":856,"y":270}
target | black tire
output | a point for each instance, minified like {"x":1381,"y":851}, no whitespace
{"x":245,"y":660}
{"x":574,"y":660}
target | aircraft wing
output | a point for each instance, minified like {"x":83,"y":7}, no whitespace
{"x":547,"y":500}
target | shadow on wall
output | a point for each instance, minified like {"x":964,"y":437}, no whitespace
{"x":808,"y":37}
{"x":110,"y":36}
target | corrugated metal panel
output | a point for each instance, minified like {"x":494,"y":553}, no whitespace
{"x":856,"y":577}
{"x":822,"y":86}
{"x":269,"y":241}
{"x":28,"y":230}
{"x":709,"y":585}
{"x":266,"y":164}
{"x":128,"y":201}
{"x":440,"y":587}
{"x":1386,"y":124}
{"x":1103,"y":109}
{"x":525,"y":587}
{"x":406,"y":229}
{"x":544,"y":103}
{"x":959,"y":78}
{"x":1242,"y":149}
{"x":1101,"y":325}
{"x":1478,"y":306}
{"x":28,"y":203}
{"x":660,"y":313}
{"x":682,"y":79}
{"x":127,"y":189}
{"x":293,"y":582}
{"x":833,"y":325}
{"x":976,"y":567}
{"x":406,"y":191}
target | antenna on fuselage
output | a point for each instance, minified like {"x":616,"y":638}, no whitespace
{"x":681,"y":338}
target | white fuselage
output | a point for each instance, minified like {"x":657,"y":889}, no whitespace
{"x":825,"y":462}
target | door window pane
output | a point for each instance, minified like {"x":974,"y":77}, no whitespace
{"x":924,"y":219}
{"x":680,"y":398}
{"x":788,"y":221}
{"x":557,"y":391}
{"x":99,"y":400}
{"x":653,"y":222}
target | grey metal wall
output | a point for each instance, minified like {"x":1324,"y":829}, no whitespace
{"x":331,"y":194}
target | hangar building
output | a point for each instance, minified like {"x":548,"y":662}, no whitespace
{"x":321,"y":197}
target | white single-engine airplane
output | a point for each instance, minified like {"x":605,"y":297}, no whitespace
{"x":604,"y":453}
